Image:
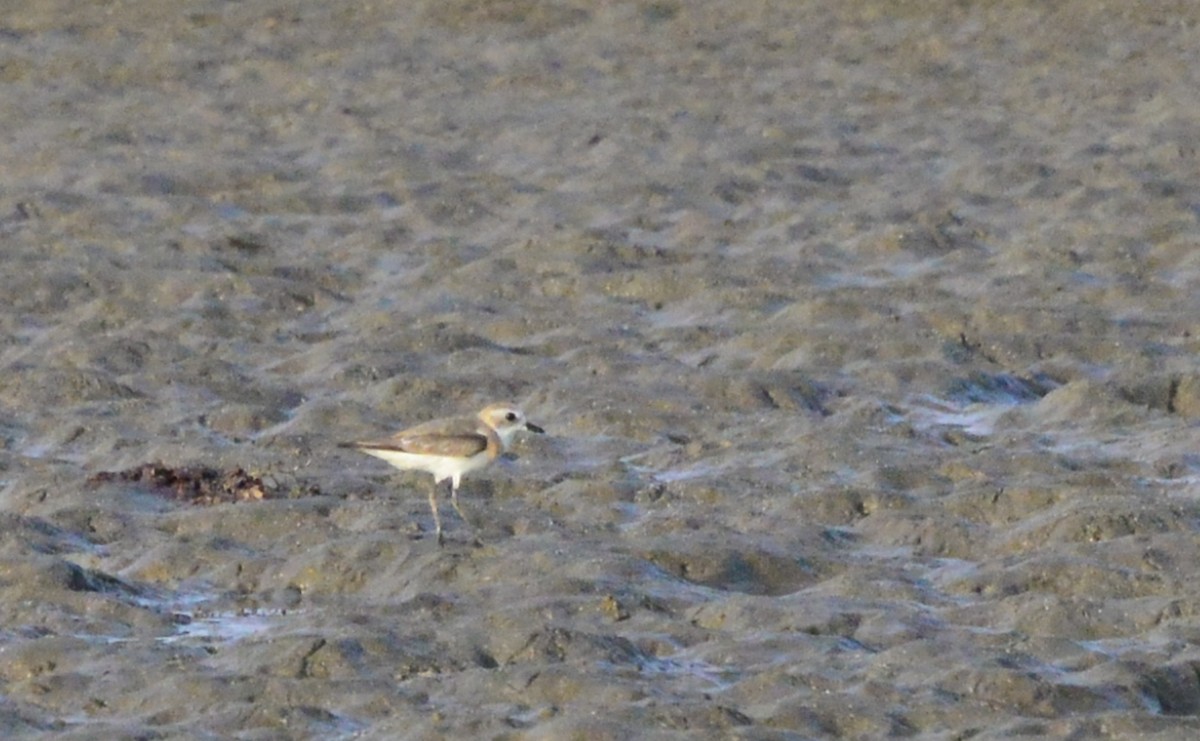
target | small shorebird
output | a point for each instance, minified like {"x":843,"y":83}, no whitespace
{"x":449,"y":448}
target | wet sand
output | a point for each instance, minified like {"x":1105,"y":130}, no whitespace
{"x":864,"y":336}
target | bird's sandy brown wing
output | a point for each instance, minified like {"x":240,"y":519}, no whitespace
{"x":463,"y":436}
{"x":462,"y":445}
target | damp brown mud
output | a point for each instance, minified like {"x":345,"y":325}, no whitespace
{"x":864,"y":336}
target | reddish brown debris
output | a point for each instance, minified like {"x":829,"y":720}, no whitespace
{"x":192,"y":484}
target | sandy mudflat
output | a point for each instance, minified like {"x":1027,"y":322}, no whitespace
{"x":865,"y":335}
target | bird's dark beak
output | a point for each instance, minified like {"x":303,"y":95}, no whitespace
{"x":533,"y":428}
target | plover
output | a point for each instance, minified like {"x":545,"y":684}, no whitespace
{"x":449,"y":448}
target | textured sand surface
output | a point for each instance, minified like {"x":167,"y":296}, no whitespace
{"x":864,"y":334}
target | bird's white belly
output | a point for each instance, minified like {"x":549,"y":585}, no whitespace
{"x":441,"y":466}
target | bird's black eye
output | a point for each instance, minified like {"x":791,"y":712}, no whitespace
{"x":511,"y":416}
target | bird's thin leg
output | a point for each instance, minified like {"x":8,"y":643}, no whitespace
{"x":454,"y":501}
{"x":437,"y":521}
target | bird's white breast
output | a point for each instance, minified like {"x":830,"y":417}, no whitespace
{"x":441,"y":466}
